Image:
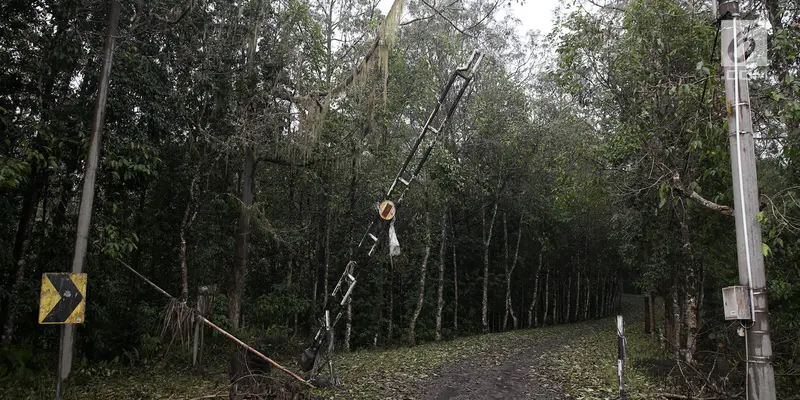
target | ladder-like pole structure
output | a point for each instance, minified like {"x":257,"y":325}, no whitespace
{"x":446,"y":105}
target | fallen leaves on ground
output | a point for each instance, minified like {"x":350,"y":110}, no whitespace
{"x":589,"y":364}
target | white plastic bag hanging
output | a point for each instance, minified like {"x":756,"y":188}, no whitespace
{"x":394,"y":244}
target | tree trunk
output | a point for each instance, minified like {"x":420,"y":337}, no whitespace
{"x":21,"y":243}
{"x":509,"y":309}
{"x":422,"y":272}
{"x":505,"y":268}
{"x":604,"y":299}
{"x":326,"y":273}
{"x":237,"y":277}
{"x":455,"y":277}
{"x":487,"y":240}
{"x":348,"y":327}
{"x":320,"y":250}
{"x":289,"y":277}
{"x":546,"y":295}
{"x":675,"y":339}
{"x":236,"y":280}
{"x":390,"y":333}
{"x":577,"y":298}
{"x":188,"y":217}
{"x":598,"y":309}
{"x":184,"y":267}
{"x":588,"y":298}
{"x":555,"y":303}
{"x":509,"y":274}
{"x":568,"y":300}
{"x":691,"y":302}
{"x":440,"y":289}
{"x":651,"y":315}
{"x":532,"y":308}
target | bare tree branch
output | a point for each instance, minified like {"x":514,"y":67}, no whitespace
{"x":439,"y":13}
{"x":691,"y":194}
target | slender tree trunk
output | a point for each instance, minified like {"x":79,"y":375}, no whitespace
{"x":509,"y":310}
{"x":651,"y":315}
{"x":21,"y":243}
{"x":577,"y":297}
{"x":691,"y":302}
{"x":487,"y":240}
{"x":237,"y":276}
{"x":599,"y":298}
{"x":188,"y":217}
{"x":607,"y":287}
{"x":326,"y":273}
{"x":440,"y":289}
{"x":241,"y":249}
{"x":390,"y":333}
{"x":422,"y":273}
{"x":505,"y":267}
{"x":348,"y":327}
{"x":588,"y":297}
{"x":320,"y":253}
{"x":675,"y":339}
{"x":509,"y":274}
{"x":555,"y":303}
{"x":184,"y":266}
{"x":546,"y":295}
{"x":455,"y":276}
{"x":568,"y":300}
{"x":289,"y":278}
{"x":532,"y":308}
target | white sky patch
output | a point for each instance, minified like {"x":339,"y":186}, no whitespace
{"x":534,"y":14}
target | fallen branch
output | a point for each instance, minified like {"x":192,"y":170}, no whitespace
{"x":220,"y":330}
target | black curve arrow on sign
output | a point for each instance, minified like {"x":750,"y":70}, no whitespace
{"x":71,"y":297}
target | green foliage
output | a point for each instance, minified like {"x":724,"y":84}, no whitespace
{"x":594,"y":149}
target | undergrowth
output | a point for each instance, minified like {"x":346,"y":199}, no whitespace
{"x":589,"y":364}
{"x":586,"y":367}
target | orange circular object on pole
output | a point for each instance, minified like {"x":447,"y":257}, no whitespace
{"x":386,"y":210}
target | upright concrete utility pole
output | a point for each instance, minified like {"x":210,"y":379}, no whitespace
{"x":760,"y":375}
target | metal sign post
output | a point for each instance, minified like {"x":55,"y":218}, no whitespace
{"x":62,"y":301}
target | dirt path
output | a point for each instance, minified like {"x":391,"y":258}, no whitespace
{"x":518,"y":369}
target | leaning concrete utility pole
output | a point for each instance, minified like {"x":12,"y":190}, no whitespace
{"x":760,"y":375}
{"x":87,"y":196}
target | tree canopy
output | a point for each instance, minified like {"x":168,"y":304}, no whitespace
{"x":246,"y":143}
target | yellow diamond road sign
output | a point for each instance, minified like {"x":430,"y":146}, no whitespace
{"x":63,"y":298}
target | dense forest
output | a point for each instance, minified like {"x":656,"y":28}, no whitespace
{"x":245,"y":144}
